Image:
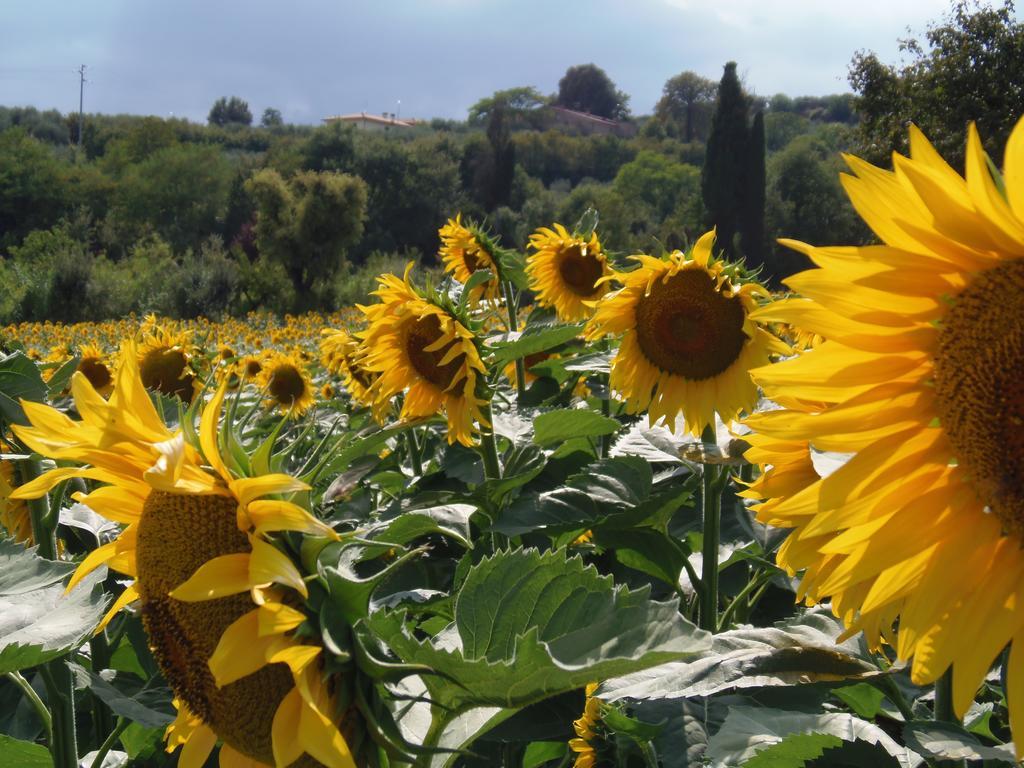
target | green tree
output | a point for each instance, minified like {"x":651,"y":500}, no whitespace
{"x":969,"y":67}
{"x":329,"y":148}
{"x":724,"y":165}
{"x":306,"y":223}
{"x":271,"y":118}
{"x":752,"y":196}
{"x":521,"y":105}
{"x":659,"y":181}
{"x":686,"y":101}
{"x":805,"y":201}
{"x":229,"y":111}
{"x":587,"y":88}
{"x":32,"y":195}
{"x":179,"y":192}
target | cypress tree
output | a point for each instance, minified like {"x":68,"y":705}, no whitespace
{"x":726,"y":155}
{"x":752,"y":196}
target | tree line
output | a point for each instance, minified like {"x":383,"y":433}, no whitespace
{"x":288,"y":217}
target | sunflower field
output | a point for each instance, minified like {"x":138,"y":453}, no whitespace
{"x":566,"y":507}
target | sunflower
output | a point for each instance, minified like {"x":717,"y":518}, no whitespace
{"x":339,"y":354}
{"x":464,"y":250}
{"x":190,"y":525}
{"x":688,"y":338}
{"x":14,"y":513}
{"x":165,"y":361}
{"x":921,"y":379}
{"x":587,"y":731}
{"x":287,"y":384}
{"x":92,"y":364}
{"x":567,"y":272}
{"x":417,"y":347}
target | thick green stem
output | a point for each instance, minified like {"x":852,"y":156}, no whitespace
{"x":44,"y":523}
{"x":414,"y":452}
{"x":888,"y":686}
{"x":606,"y":409}
{"x":99,"y":652}
{"x":110,"y":741}
{"x":60,"y":692}
{"x":711,"y":502}
{"x":944,"y":698}
{"x":37,"y":703}
{"x":489,"y":447}
{"x":513,"y":327}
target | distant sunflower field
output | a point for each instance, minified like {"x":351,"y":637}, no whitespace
{"x":566,"y":507}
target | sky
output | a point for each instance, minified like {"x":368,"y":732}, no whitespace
{"x":422,"y":58}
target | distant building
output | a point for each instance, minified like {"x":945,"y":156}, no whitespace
{"x":584,"y":122}
{"x":383,"y":122}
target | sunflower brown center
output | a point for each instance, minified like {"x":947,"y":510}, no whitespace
{"x":96,"y":372}
{"x":177,"y":534}
{"x":685,"y":326}
{"x":470,"y":259}
{"x":579,"y":271}
{"x":252,"y":368}
{"x":425,"y":332}
{"x":979,"y":380}
{"x":164,"y":369}
{"x":286,"y":385}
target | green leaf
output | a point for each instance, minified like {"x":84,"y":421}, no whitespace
{"x":534,"y":340}
{"x":795,"y":652}
{"x":644,"y":550}
{"x":128,"y":696}
{"x":38,"y":622}
{"x":947,"y":741}
{"x":22,"y":571}
{"x":350,"y":591}
{"x":23,"y":754}
{"x":20,"y":379}
{"x":558,"y":426}
{"x":540,"y":752}
{"x":794,"y":751}
{"x":863,"y":698}
{"x":531,"y":625}
{"x":60,"y":379}
{"x":601,"y":489}
{"x":521,"y":465}
{"x":451,"y":520}
{"x":747,"y":731}
{"x":587,"y":223}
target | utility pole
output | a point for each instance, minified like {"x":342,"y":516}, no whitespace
{"x":81,"y":94}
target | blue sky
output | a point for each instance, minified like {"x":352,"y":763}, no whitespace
{"x":314,"y":58}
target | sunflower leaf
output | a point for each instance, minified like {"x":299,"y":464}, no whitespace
{"x":600,"y":490}
{"x":799,"y":651}
{"x":24,"y":754}
{"x":529,"y":625}
{"x":128,"y":696}
{"x":38,"y":621}
{"x":749,"y":732}
{"x":947,"y":741}
{"x":533,"y":340}
{"x":558,"y":426}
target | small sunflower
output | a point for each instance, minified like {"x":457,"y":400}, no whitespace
{"x":165,"y":361}
{"x":587,"y":731}
{"x":339,"y":354}
{"x":688,"y":340}
{"x":464,"y":250}
{"x":14,"y":513}
{"x":190,"y":525}
{"x":92,"y":364}
{"x":287,"y":384}
{"x":920,"y":378}
{"x":249,"y":367}
{"x":421,"y":349}
{"x":567,"y":272}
